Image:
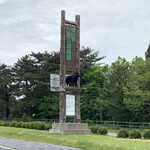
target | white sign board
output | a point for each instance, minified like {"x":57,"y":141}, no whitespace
{"x":54,"y":82}
{"x":70,"y":105}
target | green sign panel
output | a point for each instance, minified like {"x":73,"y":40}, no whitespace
{"x":70,"y":37}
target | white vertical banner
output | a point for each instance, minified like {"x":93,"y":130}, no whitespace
{"x":54,"y":82}
{"x":70,"y":105}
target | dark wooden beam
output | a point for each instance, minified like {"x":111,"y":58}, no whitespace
{"x":70,"y":22}
{"x":77,"y":95}
{"x":75,"y":89}
{"x":62,"y":94}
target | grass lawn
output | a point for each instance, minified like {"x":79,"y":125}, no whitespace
{"x":88,"y":142}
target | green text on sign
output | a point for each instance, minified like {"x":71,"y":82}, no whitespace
{"x":70,"y":37}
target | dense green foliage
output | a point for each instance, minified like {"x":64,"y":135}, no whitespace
{"x":13,"y":123}
{"x":147,"y":54}
{"x":1,"y":123}
{"x":119,"y":92}
{"x":5,"y":90}
{"x":94,"y":129}
{"x":135,"y":134}
{"x":98,"y":130}
{"x":137,"y":90}
{"x":25,"y":117}
{"x":122,"y":133}
{"x":102,"y":130}
{"x":6,"y":124}
{"x":146,"y":134}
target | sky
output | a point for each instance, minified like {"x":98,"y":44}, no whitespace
{"x":111,"y":27}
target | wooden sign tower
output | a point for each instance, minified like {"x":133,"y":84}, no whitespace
{"x":69,"y":62}
{"x":69,"y":102}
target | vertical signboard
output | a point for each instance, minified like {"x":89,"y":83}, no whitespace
{"x":70,"y":47}
{"x":70,"y":105}
{"x":54,"y":82}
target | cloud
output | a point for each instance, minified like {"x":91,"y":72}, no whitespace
{"x":114,"y":27}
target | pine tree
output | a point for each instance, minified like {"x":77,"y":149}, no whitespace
{"x":5,"y":90}
{"x":25,"y":79}
{"x":147,"y":54}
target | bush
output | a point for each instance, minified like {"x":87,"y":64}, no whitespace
{"x":6,"y":124}
{"x":102,"y":131}
{"x":28,"y":125}
{"x":1,"y":123}
{"x":39,"y":125}
{"x":94,"y":129}
{"x":135,"y":134}
{"x":18,"y":124}
{"x":51,"y":121}
{"x":149,"y":126}
{"x":88,"y":121}
{"x":146,"y":134}
{"x":24,"y":125}
{"x":13,"y":123}
{"x":31,"y":125}
{"x":48,"y":126}
{"x":24,"y":117}
{"x":122,"y":133}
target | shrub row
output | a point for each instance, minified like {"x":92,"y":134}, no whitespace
{"x":98,"y":130}
{"x":30,"y":125}
{"x":122,"y":133}
{"x":134,"y":134}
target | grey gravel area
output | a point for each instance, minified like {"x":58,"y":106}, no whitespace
{"x":28,"y":145}
{"x":112,"y":134}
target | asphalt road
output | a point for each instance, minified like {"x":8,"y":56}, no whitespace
{"x":28,"y":145}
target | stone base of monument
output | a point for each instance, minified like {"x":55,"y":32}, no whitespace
{"x":70,"y":128}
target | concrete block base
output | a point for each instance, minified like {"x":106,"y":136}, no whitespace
{"x":70,"y":128}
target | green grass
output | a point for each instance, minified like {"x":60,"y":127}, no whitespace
{"x":88,"y":142}
{"x":112,"y":130}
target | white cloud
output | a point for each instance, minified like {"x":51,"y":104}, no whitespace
{"x":114,"y":27}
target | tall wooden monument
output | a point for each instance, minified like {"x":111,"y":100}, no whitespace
{"x":69,"y":62}
{"x":69,"y":102}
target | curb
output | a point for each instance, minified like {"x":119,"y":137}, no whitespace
{"x":5,"y":148}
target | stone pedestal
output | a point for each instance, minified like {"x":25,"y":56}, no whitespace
{"x":70,"y":128}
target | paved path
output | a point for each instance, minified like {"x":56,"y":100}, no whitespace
{"x":28,"y":145}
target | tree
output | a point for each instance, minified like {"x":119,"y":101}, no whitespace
{"x":32,"y":76}
{"x":32,"y":73}
{"x":147,"y":54}
{"x":5,"y":90}
{"x":116,"y":79}
{"x":92,"y":99}
{"x":46,"y":63}
{"x":88,"y":58}
{"x":25,"y":79}
{"x":137,"y":90}
{"x":47,"y":103}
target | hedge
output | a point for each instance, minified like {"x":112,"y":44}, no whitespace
{"x":31,"y":125}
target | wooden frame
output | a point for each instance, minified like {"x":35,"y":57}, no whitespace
{"x":71,"y":66}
